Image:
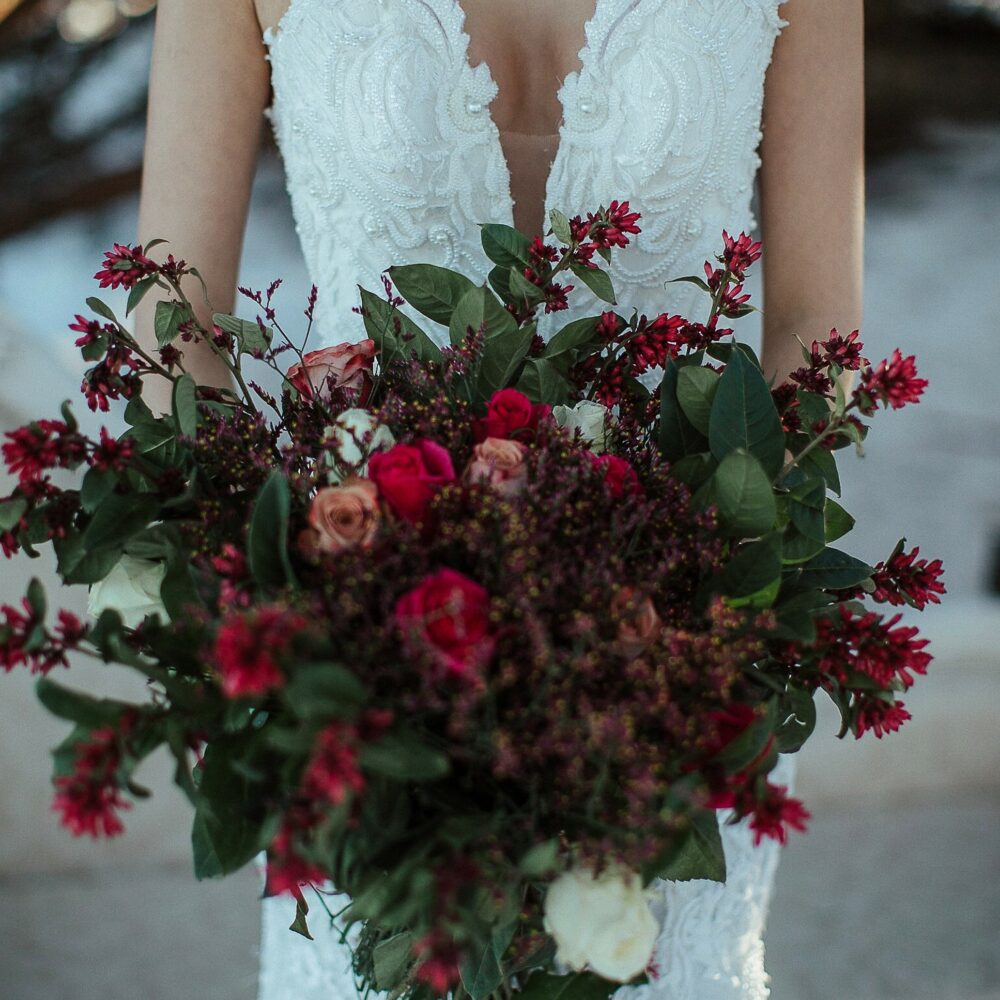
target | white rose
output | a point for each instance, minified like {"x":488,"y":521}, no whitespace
{"x":605,"y":922}
{"x":588,"y":417}
{"x":350,"y":431}
{"x":132,"y":588}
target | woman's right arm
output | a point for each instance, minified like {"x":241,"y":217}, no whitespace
{"x":209,"y":85}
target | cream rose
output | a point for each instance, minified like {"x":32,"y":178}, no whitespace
{"x":132,"y":588}
{"x":499,"y":462}
{"x":356,"y":434}
{"x":602,"y":922}
{"x":587,"y":417}
{"x":343,"y":517}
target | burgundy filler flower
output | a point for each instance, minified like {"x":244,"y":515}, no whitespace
{"x":125,"y":266}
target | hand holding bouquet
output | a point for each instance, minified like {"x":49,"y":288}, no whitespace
{"x":486,"y":633}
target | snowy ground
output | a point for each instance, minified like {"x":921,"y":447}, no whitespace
{"x":895,"y":893}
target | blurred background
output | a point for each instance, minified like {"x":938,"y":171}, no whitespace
{"x":895,"y":892}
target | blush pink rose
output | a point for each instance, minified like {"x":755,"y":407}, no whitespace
{"x":408,"y":476}
{"x":500,"y":463}
{"x":447,"y":614}
{"x":343,"y":517}
{"x":344,"y":366}
{"x":638,"y":621}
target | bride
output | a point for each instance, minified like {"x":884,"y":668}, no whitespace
{"x":403,"y":123}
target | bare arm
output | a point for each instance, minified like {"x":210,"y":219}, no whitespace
{"x":208,"y":89}
{"x":812,"y":179}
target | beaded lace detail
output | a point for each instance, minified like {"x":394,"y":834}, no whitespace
{"x":392,"y":157}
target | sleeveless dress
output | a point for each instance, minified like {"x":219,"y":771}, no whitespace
{"x":392,"y":156}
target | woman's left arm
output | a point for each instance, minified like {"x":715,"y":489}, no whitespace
{"x":812,"y":185}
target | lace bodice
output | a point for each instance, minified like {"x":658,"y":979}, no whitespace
{"x":392,"y":157}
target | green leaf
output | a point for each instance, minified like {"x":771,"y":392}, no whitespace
{"x":821,"y":462}
{"x":806,"y":535}
{"x":795,"y":615}
{"x":744,"y":416}
{"x":77,"y":564}
{"x":838,"y":522}
{"x":523,"y":290}
{"x":796,"y":720}
{"x":380,"y":324}
{"x":541,"y":382}
{"x":96,"y":486}
{"x":696,"y":388}
{"x":695,"y":469}
{"x":560,"y":226}
{"x":499,"y":278}
{"x":431,"y":290}
{"x":482,"y":975}
{"x":11,"y":512}
{"x":250,"y":338}
{"x":750,"y":744}
{"x":753,"y":576}
{"x":392,"y":957}
{"x":505,"y":246}
{"x":319,"y":690}
{"x":678,"y":436}
{"x":478,"y":309}
{"x":117,"y":518}
{"x":97,"y":306}
{"x":75,"y":706}
{"x":167,"y":321}
{"x":138,"y":292}
{"x":404,"y":757}
{"x":267,"y":543}
{"x":580,"y":335}
{"x":692,"y":279}
{"x":186,"y":406}
{"x":835,"y":570}
{"x":700,"y":854}
{"x":743,"y":492}
{"x":36,"y":598}
{"x":597,"y":280}
{"x":178,"y":590}
{"x":577,"y":986}
{"x":299,"y":925}
{"x":502,"y":359}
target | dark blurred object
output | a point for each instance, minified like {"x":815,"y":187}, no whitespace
{"x":72,"y":91}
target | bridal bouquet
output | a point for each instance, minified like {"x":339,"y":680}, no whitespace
{"x":486,"y":634}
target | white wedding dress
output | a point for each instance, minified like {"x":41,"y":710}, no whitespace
{"x":392,"y":156}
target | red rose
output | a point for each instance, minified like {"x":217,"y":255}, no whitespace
{"x":344,"y":366}
{"x":619,"y":476}
{"x":510,"y":414}
{"x":730,"y":723}
{"x":408,"y":476}
{"x":448,"y":615}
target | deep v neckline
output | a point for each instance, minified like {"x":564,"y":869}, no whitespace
{"x":582,"y":72}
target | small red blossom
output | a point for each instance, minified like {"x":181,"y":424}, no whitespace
{"x":37,"y":447}
{"x":112,"y":454}
{"x":438,"y":964}
{"x":738,"y":254}
{"x":90,"y":328}
{"x":612,"y":227}
{"x":813,"y":380}
{"x":878,"y":716}
{"x":906,"y":579}
{"x":89,"y":799}
{"x":249,"y":646}
{"x":842,"y":351}
{"x":333,"y":772}
{"x":893,"y":383}
{"x":25,"y":641}
{"x":776,"y":814}
{"x":125,"y":266}
{"x":608,"y":326}
{"x":287,"y":869}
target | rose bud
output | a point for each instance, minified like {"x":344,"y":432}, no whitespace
{"x":500,"y":463}
{"x":638,"y":621}
{"x":344,"y":517}
{"x":344,"y":366}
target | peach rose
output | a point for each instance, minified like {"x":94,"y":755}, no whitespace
{"x":342,"y":517}
{"x":344,"y":366}
{"x":499,"y":462}
{"x":638,"y":621}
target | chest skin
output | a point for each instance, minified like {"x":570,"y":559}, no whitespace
{"x":530,"y":46}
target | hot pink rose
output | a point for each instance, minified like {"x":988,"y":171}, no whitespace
{"x":499,"y":463}
{"x":510,"y":414}
{"x":619,"y":476}
{"x":342,"y":517}
{"x":638,"y":621}
{"x":448,"y":615}
{"x":408,"y":476}
{"x":344,"y":366}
